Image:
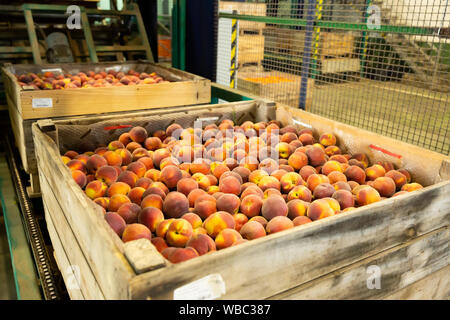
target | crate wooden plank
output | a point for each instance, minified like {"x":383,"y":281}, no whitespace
{"x":336,"y":44}
{"x":250,"y":48}
{"x":336,"y":65}
{"x":101,"y":246}
{"x":398,"y":267}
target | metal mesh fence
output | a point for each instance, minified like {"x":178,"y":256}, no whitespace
{"x":380,"y":65}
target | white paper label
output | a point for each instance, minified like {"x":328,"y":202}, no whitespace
{"x":42,"y":103}
{"x":58,"y":70}
{"x":115,"y":68}
{"x":208,"y":288}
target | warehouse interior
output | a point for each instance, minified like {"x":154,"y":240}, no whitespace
{"x":349,"y":100}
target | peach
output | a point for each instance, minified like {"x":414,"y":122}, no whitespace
{"x":150,"y":217}
{"x":199,"y":230}
{"x":251,"y":205}
{"x":136,"y":231}
{"x":129,"y":212}
{"x":253,"y":230}
{"x":352,"y":184}
{"x":399,"y":193}
{"x":339,"y":158}
{"x":411,"y":187}
{"x":76,"y":165}
{"x":152,"y":143}
{"x":79,"y":177}
{"x":167,"y":162}
{"x":137,"y":168}
{"x":193,"y":219}
{"x":147,"y":161}
{"x":361,"y":157}
{"x":159,"y":243}
{"x":278,"y":173}
{"x":202,"y":180}
{"x":212,"y":180}
{"x":271,"y":191}
{"x":152,"y":200}
{"x":116,"y":201}
{"x":96,"y":189}
{"x":226,"y":238}
{"x":205,"y":205}
{"x":153,"y":174}
{"x":355,"y":173}
{"x":65,"y":159}
{"x":182,"y":254}
{"x":269,"y":182}
{"x":230,"y":184}
{"x":300,"y":220}
{"x":249,"y":162}
{"x":228,"y":202}
{"x":367,"y":195}
{"x":306,"y":139}
{"x":269,"y":165}
{"x":283,"y":149}
{"x":71,"y":154}
{"x":300,"y":192}
{"x":102,"y":202}
{"x":319,"y":209}
{"x":125,"y":155}
{"x":186,"y":185}
{"x":116,"y":222}
{"x":114,"y":145}
{"x":218,"y":169}
{"x":297,"y":208}
{"x":193,"y":196}
{"x":162,"y":227}
{"x":306,"y":171}
{"x":113,"y":158}
{"x":240,"y":219}
{"x":199,"y":166}
{"x":315,"y":179}
{"x":336,"y":176}
{"x":217,"y":222}
{"x":175,"y":204}
{"x":298,"y":160}
{"x":333,"y":203}
{"x":279,"y":223}
{"x":385,"y":186}
{"x":345,"y":198}
{"x":354,"y":162}
{"x":133,"y":146}
{"x":388,"y":166}
{"x":124,"y":138}
{"x":159,"y":155}
{"x":332,"y":150}
{"x":202,"y":243}
{"x":174,"y":129}
{"x":274,"y":206}
{"x":406,"y":174}
{"x":289,"y":181}
{"x":398,"y":177}
{"x":178,"y":233}
{"x":255,"y":176}
{"x":106,"y":174}
{"x":138,"y":134}
{"x":135,"y":195}
{"x":118,"y":188}
{"x":316,"y":156}
{"x":327,"y":139}
{"x":323,"y":190}
{"x":341,"y":185}
{"x":288,"y":137}
{"x":259,"y":219}
{"x":157,"y":188}
{"x":170,"y":176}
{"x":374,"y":172}
{"x":168,"y":251}
{"x":331,"y":166}
{"x":243,"y":172}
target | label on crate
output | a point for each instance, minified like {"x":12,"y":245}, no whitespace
{"x":115,"y":68}
{"x":208,"y":288}
{"x":42,"y":103}
{"x":54,"y":70}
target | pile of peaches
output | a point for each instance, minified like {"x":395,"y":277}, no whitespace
{"x":50,"y":80}
{"x":192,"y":191}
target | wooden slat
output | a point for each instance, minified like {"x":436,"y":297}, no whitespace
{"x":100,"y":245}
{"x":399,"y":267}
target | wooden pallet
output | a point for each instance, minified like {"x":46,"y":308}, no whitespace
{"x":407,"y":237}
{"x":186,"y":89}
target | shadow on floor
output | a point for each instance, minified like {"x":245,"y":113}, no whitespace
{"x":7,"y":287}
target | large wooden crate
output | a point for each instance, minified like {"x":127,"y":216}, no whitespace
{"x":278,"y":86}
{"x":186,"y":89}
{"x":250,"y":49}
{"x":406,"y":237}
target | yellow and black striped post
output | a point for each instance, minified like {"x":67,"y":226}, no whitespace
{"x":319,"y":7}
{"x":234,"y":26}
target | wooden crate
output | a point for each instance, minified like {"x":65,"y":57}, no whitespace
{"x":249,"y":9}
{"x":407,"y":237}
{"x":275,"y":85}
{"x":336,"y":45}
{"x":250,"y":49}
{"x":185,"y":90}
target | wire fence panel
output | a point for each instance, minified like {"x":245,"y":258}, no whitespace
{"x":380,"y":65}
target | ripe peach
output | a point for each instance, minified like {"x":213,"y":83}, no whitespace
{"x":306,"y":171}
{"x":283,"y":149}
{"x":193,"y":219}
{"x":355,"y":173}
{"x":385,"y":186}
{"x":167,"y":162}
{"x":240,"y":219}
{"x":96,"y":189}
{"x":327,"y":139}
{"x":269,"y":165}
{"x":186,"y":185}
{"x":269,"y":182}
{"x":71,"y":154}
{"x":278,"y":173}
{"x":300,"y":220}
{"x":316,"y":156}
{"x":339,"y":158}
{"x":271,"y":191}
{"x":175,"y":204}
{"x":251,"y":205}
{"x":168,"y":251}
{"x":202,"y":243}
{"x":106,"y":174}
{"x":249,"y":162}
{"x":147,"y":161}
{"x":79,"y":177}
{"x":137,"y":168}
{"x":65,"y":159}
{"x":136,"y":231}
{"x":361,"y":157}
{"x":217,"y":222}
{"x":193,"y":196}
{"x":306,"y":138}
{"x":76,"y":165}
{"x":83,"y":157}
{"x":229,"y":203}
{"x":159,"y":155}
{"x":298,"y":160}
{"x":411,"y":187}
{"x":255,"y":176}
{"x":159,"y":243}
{"x":162,"y":227}
{"x":178,"y":233}
{"x":230,"y":184}
{"x":152,"y":143}
{"x":212,"y":180}
{"x":332,"y":150}
{"x":341,"y":185}
{"x":181,"y":254}
{"x":174,"y":129}
{"x":288,"y":137}
{"x":352,"y":184}
{"x":388,"y":166}
{"x":218,"y":169}
{"x":367,"y":195}
{"x":253,"y":230}
{"x":125,"y":155}
{"x":278,"y":224}
{"x":243,"y":172}
{"x":153,"y":174}
{"x":133,"y":146}
{"x":274,"y":206}
{"x":226,"y":238}
{"x":323,"y":190}
{"x":129,"y":212}
{"x":138,"y":134}
{"x":406,"y":174}
{"x":116,"y":201}
{"x":315,"y":179}
{"x":289,"y":181}
{"x":374,"y":172}
{"x":399,"y":193}
{"x":319,"y":209}
{"x":398,"y":177}
{"x":118,"y":188}
{"x":135,"y":195}
{"x":150,"y":217}
{"x":331,"y":166}
{"x":114,"y":145}
{"x":116,"y":222}
{"x":299,"y":192}
{"x":345,"y":198}
{"x":113,"y":158}
{"x":297,"y":208}
{"x":354,"y":162}
{"x":124,"y":138}
{"x":151,"y":200}
{"x":170,"y":176}
{"x":202,"y":180}
{"x":205,"y":205}
{"x":336,"y":176}
{"x":102,"y":202}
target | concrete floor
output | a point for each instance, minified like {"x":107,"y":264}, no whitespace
{"x":7,"y":287}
